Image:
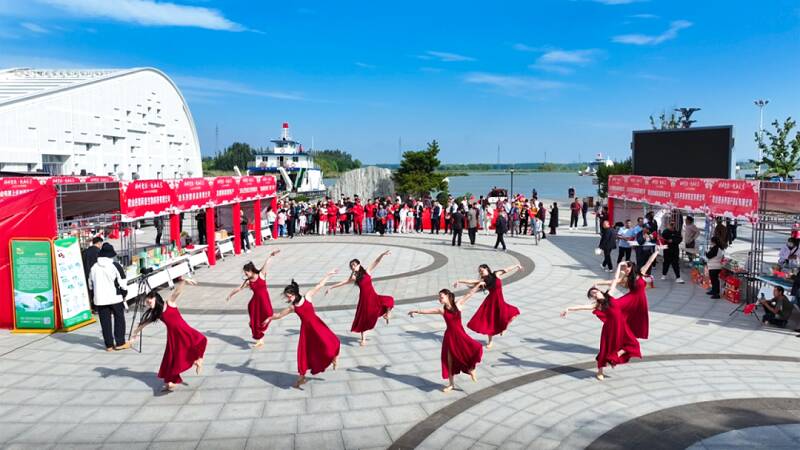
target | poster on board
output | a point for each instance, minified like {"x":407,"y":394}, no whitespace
{"x":73,"y":294}
{"x":32,"y":281}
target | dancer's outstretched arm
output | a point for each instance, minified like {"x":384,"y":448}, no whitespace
{"x":652,"y":259}
{"x":502,"y":273}
{"x":347,"y":280}
{"x":321,"y":283}
{"x":470,"y":283}
{"x":280,"y":315}
{"x":173,"y":297}
{"x":377,"y":261}
{"x":263,"y":272}
{"x":425,"y":311}
{"x":577,"y":308}
{"x":236,"y":291}
{"x":463,"y":300}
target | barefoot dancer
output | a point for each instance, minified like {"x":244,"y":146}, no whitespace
{"x":460,"y":353}
{"x":185,"y":345}
{"x":318,"y":347}
{"x":634,"y":303}
{"x":260,"y":306}
{"x":617,"y":342}
{"x":370,"y":304}
{"x":494,"y":315}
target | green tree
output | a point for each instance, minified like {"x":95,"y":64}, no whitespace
{"x":335,"y":161}
{"x":417,"y":173}
{"x":237,"y":154}
{"x":664,"y":122}
{"x":781,"y":155}
{"x":619,"y":168}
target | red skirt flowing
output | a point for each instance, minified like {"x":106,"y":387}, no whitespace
{"x":465,"y":352}
{"x":185,"y":345}
{"x":615,"y":336}
{"x":259,"y":308}
{"x":371,"y":306}
{"x":494,"y":314}
{"x":635,"y":309}
{"x":318,"y":345}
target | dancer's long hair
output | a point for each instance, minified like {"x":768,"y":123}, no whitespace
{"x":250,"y":267}
{"x":154,"y":313}
{"x":633,"y":275}
{"x":601,"y":304}
{"x":451,"y":298}
{"x":491,"y":279}
{"x":359,"y":274}
{"x":294,"y":289}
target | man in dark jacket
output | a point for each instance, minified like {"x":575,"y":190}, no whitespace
{"x":457,"y":225}
{"x":672,"y":237}
{"x":158,"y":223}
{"x":608,"y":242}
{"x":436,"y":217}
{"x":501,"y":227}
{"x":584,"y":210}
{"x":472,"y":223}
{"x":89,"y":258}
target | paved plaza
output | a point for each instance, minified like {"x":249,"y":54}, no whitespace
{"x":708,"y":379}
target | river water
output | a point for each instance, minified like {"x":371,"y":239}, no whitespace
{"x":549,"y":185}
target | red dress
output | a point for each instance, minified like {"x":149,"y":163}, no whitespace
{"x":465,"y":352}
{"x":370,"y":307}
{"x":634,"y":307}
{"x":259,"y":308}
{"x":494,"y":314}
{"x":318,"y":346}
{"x":615,"y":336}
{"x":185,"y":345}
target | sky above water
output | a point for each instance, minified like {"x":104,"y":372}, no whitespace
{"x":540,"y":79}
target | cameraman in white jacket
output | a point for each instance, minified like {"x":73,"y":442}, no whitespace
{"x":104,"y":278}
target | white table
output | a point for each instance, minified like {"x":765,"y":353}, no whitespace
{"x":225,"y":246}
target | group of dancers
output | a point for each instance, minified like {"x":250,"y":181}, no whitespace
{"x":625,"y":319}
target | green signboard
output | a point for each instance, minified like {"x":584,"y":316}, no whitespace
{"x":73,"y":294}
{"x":32,"y":267}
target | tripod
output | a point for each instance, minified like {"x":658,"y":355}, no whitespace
{"x":143,"y":288}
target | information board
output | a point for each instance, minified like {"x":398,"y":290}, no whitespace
{"x":73,"y":294}
{"x":32,"y":281}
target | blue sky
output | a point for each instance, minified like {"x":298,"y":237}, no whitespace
{"x":561,"y":77}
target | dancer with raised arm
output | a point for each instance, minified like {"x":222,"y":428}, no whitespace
{"x":185,"y":346}
{"x":317,"y":347}
{"x":494,"y":315}
{"x":617,"y":342}
{"x":260,"y":307}
{"x":634,"y":303}
{"x":371,"y":306}
{"x":460,"y":353}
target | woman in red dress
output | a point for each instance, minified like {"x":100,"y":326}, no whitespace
{"x":460,"y":353}
{"x":371,"y":306}
{"x":318,"y":347}
{"x":494,"y":314}
{"x":260,"y":306}
{"x":185,"y":345}
{"x":617,"y":342}
{"x":634,"y":303}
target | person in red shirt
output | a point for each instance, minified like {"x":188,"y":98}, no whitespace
{"x":575,"y":211}
{"x":369,"y":210}
{"x":332,"y":213}
{"x":358,"y":216}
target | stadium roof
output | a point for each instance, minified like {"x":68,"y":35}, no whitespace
{"x":22,"y":83}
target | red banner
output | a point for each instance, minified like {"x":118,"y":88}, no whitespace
{"x":224,"y":190}
{"x":616,"y":186}
{"x":99,"y":179}
{"x":62,"y":180}
{"x":659,"y":191}
{"x":13,"y":186}
{"x":146,"y":198}
{"x":248,"y":188}
{"x":267,"y":186}
{"x":690,"y":193}
{"x":191,"y":193}
{"x":734,"y":198}
{"x":635,"y":188}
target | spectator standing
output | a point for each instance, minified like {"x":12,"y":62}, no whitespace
{"x":500,"y":228}
{"x":554,"y":218}
{"x":436,"y":217}
{"x":714,"y":257}
{"x":672,"y":238}
{"x":574,"y":212}
{"x":200,"y":217}
{"x":369,"y":212}
{"x":158,"y":223}
{"x":244,"y":233}
{"x":457,"y":226}
{"x":625,"y":236}
{"x":107,"y":281}
{"x":541,"y":214}
{"x":690,"y":234}
{"x":473,"y":216}
{"x":608,"y":242}
{"x":584,"y":211}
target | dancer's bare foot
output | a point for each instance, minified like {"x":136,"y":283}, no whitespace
{"x":489,"y":345}
{"x":169,"y":387}
{"x":257,"y":344}
{"x":620,"y":353}
{"x":335,"y":363}
{"x":198,"y":366}
{"x":448,"y":388}
{"x":600,"y":376}
{"x":386,"y":317}
{"x":300,"y":381}
{"x":362,"y":342}
{"x":473,"y":376}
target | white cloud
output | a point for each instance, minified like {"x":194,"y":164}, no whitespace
{"x":644,"y":39}
{"x":643,"y":16}
{"x":148,"y":13}
{"x":527,"y":48}
{"x":30,"y":26}
{"x":514,"y":86}
{"x":445,"y":56}
{"x":364,"y":65}
{"x":564,"y":61}
{"x":430,"y":69}
{"x":211,"y":86}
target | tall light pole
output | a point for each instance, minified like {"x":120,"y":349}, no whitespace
{"x":511,"y":194}
{"x":761,"y":104}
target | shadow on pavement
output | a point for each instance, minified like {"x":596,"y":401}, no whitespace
{"x":420,"y":383}
{"x":574,"y":372}
{"x":235,"y":341}
{"x":94,"y":342}
{"x":148,"y":378}
{"x":561,"y":347}
{"x":281,"y":380}
{"x":430,"y":335}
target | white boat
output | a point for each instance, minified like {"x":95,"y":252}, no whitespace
{"x":293,"y":166}
{"x":591,"y":169}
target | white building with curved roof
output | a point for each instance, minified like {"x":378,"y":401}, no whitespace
{"x":128,"y":123}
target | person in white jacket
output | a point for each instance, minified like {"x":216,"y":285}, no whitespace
{"x":109,"y":303}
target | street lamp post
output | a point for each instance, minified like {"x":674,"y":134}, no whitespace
{"x":511,"y":194}
{"x":761,"y":104}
